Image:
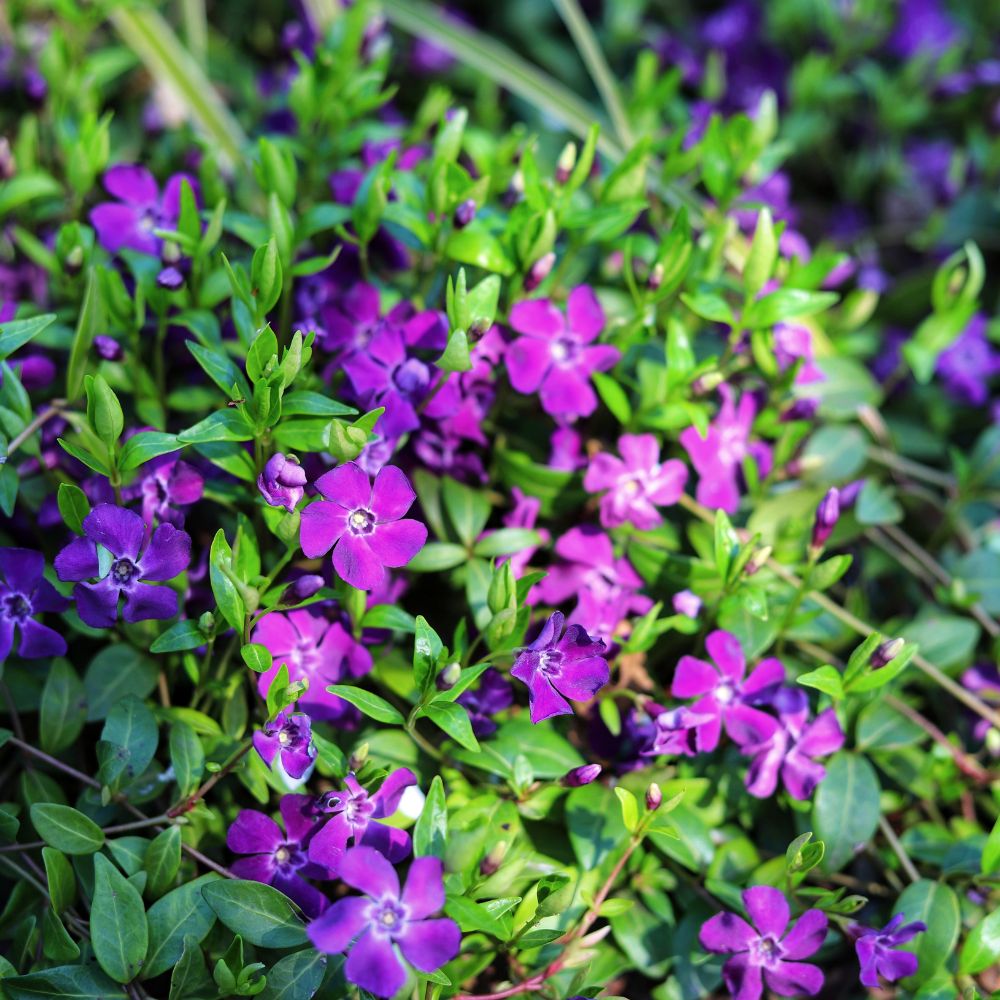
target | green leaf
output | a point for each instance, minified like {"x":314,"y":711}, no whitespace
{"x":220,"y":369}
{"x":181,"y":636}
{"x":73,"y":506}
{"x":104,"y":412}
{"x":223,"y":425}
{"x":474,"y":245}
{"x":427,"y":647}
{"x":65,"y":982}
{"x":9,"y":825}
{"x":63,"y":709}
{"x":455,"y":357}
{"x":982,"y":946}
{"x":505,"y":541}
{"x":15,"y":333}
{"x":162,"y":861}
{"x":785,"y":304}
{"x":66,"y":829}
{"x":614,"y":396}
{"x":709,"y":306}
{"x":296,"y":977}
{"x":57,"y":945}
{"x":131,"y":728}
{"x":468,"y":509}
{"x":991,"y":851}
{"x":436,"y":557}
{"x":762,"y":256}
{"x":881,"y":727}
{"x":370,"y":704}
{"x":144,"y":446}
{"x":431,"y":829}
{"x":257,"y":912}
{"x":629,"y":808}
{"x":454,"y":720}
{"x":594,"y":824}
{"x":936,"y":905}
{"x":826,"y":679}
{"x":60,"y":878}
{"x":846,"y":807}
{"x":389,"y":616}
{"x":116,"y":671}
{"x":190,"y":976}
{"x":186,"y":756}
{"x":91,"y":322}
{"x":313,"y":404}
{"x":226,"y":595}
{"x":181,"y":914}
{"x":118,"y":929}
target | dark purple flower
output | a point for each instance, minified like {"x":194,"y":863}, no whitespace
{"x":280,"y":858}
{"x":355,"y":816}
{"x":555,"y":356}
{"x":289,"y":738}
{"x":923,"y":26}
{"x":111,"y":553}
{"x":827,"y":516}
{"x":557,"y":666}
{"x":363,"y":523}
{"x":967,"y":366}
{"x":764,"y":954}
{"x":984,"y":680}
{"x":171,"y":278}
{"x":465,"y":212}
{"x":24,"y":593}
{"x":371,"y":927}
{"x":108,"y":348}
{"x":494,"y":694}
{"x":302,"y":589}
{"x":722,"y":691}
{"x":128,"y":223}
{"x":637,"y":483}
{"x":580,"y":776}
{"x":877,"y":952}
{"x":168,"y":484}
{"x":282,"y":483}
{"x":677,"y":732}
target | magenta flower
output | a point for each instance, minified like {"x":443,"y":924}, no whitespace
{"x":24,"y":593}
{"x":112,"y":554}
{"x":315,"y":650}
{"x":637,"y":483}
{"x":168,"y":484}
{"x":677,"y":732}
{"x":764,"y":954}
{"x":355,"y":816}
{"x":558,"y":665}
{"x":372,"y":927}
{"x":718,"y":457}
{"x":686,"y":603}
{"x":555,"y":356}
{"x":282,"y":483}
{"x":722,"y":691}
{"x":566,"y":450}
{"x":280,"y":858}
{"x":877,"y":954}
{"x":792,"y":343}
{"x":128,"y":223}
{"x":289,"y":738}
{"x":524,"y":514}
{"x":363,"y":523}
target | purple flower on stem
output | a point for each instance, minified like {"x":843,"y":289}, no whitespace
{"x":558,"y":665}
{"x":637,"y":483}
{"x":363,"y":523}
{"x":827,"y":515}
{"x":686,"y":603}
{"x":555,"y":356}
{"x":289,"y":738}
{"x":167,"y":485}
{"x":24,"y":593}
{"x":877,"y":952}
{"x":764,"y":954}
{"x":280,"y":858}
{"x":677,"y":732}
{"x":493,"y":695}
{"x":128,"y":223}
{"x":580,"y":776}
{"x":371,"y":927}
{"x":111,"y":553}
{"x":282,"y":483}
{"x":722,"y":691}
{"x":356,"y":814}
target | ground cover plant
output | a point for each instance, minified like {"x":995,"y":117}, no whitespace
{"x":499,"y":502}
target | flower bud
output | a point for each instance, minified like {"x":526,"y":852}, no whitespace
{"x":566,"y":163}
{"x":704,"y":384}
{"x":170,"y":278}
{"x":357,"y":759}
{"x":494,"y":859}
{"x":801,"y":409}
{"x":539,"y":271}
{"x":827,"y":515}
{"x":206,"y":623}
{"x":579,"y":776}
{"x":302,"y":589}
{"x":886,"y":652}
{"x":655,"y":278}
{"x":515,"y":190}
{"x":108,"y":348}
{"x":282,"y":483}
{"x":465,"y":212}
{"x":74,"y":260}
{"x":7,"y":165}
{"x":757,"y":560}
{"x":171,"y":253}
{"x":653,"y":797}
{"x":448,"y":677}
{"x":686,"y":603}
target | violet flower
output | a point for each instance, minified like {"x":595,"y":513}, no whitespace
{"x":280,"y":858}
{"x":24,"y":593}
{"x":372,"y":927}
{"x":722,"y":691}
{"x":112,"y":554}
{"x":580,"y":776}
{"x":282,"y":483}
{"x":355,"y":816}
{"x":523,"y":515}
{"x":766,"y":953}
{"x":289,"y":739}
{"x":558,"y":665}
{"x":877,"y":954}
{"x":686,"y":603}
{"x":556,"y":356}
{"x":168,"y":484}
{"x":677,"y":732}
{"x":637,"y":483}
{"x":315,"y":650}
{"x":128,"y":223}
{"x":494,"y":694}
{"x":968,"y":364}
{"x":363,"y":523}
{"x":791,"y":343}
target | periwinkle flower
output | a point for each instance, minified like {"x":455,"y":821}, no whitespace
{"x":827,"y":515}
{"x":686,"y":603}
{"x":287,"y":737}
{"x":167,"y":485}
{"x":555,"y":355}
{"x":968,"y":363}
{"x":877,"y":954}
{"x":371,"y":928}
{"x":676,"y":732}
{"x":792,"y":343}
{"x":765,"y":952}
{"x":24,"y":593}
{"x":580,"y":776}
{"x":559,"y":665}
{"x":108,"y":348}
{"x":363,"y":523}
{"x":112,"y":554}
{"x":635,"y":484}
{"x":494,"y":694}
{"x":283,"y":482}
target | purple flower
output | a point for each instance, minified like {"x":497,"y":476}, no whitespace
{"x":128,"y":223}
{"x":877,"y":950}
{"x":764,"y":954}
{"x":112,"y":554}
{"x":686,"y":603}
{"x":289,"y":738}
{"x":791,"y":343}
{"x":580,"y":776}
{"x":677,"y":732}
{"x":566,"y":450}
{"x":984,"y":680}
{"x":558,"y":666}
{"x":718,"y":456}
{"x":108,"y":348}
{"x":282,"y":483}
{"x":827,"y":516}
{"x":637,"y":483}
{"x":280,"y":858}
{"x":316,"y":650}
{"x":721,"y":691}
{"x":493,"y":695}
{"x":355,"y":816}
{"x":923,"y":26}
{"x":24,"y":593}
{"x":523,"y":515}
{"x":371,"y":927}
{"x":363,"y":522}
{"x":968,"y":364}
{"x":555,"y":356}
{"x":167,"y":485}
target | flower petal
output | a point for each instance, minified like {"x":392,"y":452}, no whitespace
{"x":582,"y":679}
{"x":132,"y":183}
{"x":323,"y":522}
{"x":339,"y":925}
{"x":792,"y":979}
{"x":386,"y":799}
{"x":423,"y":893}
{"x":392,"y":494}
{"x":767,"y":908}
{"x":693,"y":677}
{"x":148,"y":602}
{"x":528,"y":360}
{"x":429,"y":944}
{"x":254,"y":833}
{"x":22,"y":568}
{"x":363,"y":868}
{"x":767,"y":674}
{"x":167,"y":555}
{"x":119,"y":530}
{"x":743,"y":980}
{"x":537,"y":318}
{"x":347,"y":485}
{"x":806,"y":936}
{"x":726,"y":932}
{"x":39,"y":641}
{"x":724,"y":648}
{"x":823,"y":736}
{"x":395,"y":543}
{"x":566,"y":392}
{"x":392,"y":843}
{"x":97,"y":603}
{"x":544,"y":701}
{"x":586,"y":317}
{"x":356,"y":563}
{"x":373,"y":965}
{"x":77,"y":561}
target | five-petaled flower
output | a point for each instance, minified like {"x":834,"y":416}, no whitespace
{"x":287,"y":737}
{"x":111,"y":554}
{"x":877,"y":954}
{"x":372,"y":927}
{"x":767,"y":953}
{"x":363,"y":523}
{"x":559,"y":665}
{"x":24,"y":593}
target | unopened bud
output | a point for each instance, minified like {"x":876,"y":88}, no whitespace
{"x":302,"y":589}
{"x":492,"y":861}
{"x":171,"y":252}
{"x":206,"y":623}
{"x":108,"y":348}
{"x":74,"y":260}
{"x":655,"y":277}
{"x":448,"y":677}
{"x":827,"y":515}
{"x":566,"y":163}
{"x":706,"y":383}
{"x":886,"y":652}
{"x":539,"y":271}
{"x":170,"y":278}
{"x":757,"y":560}
{"x":357,"y":759}
{"x":849,"y":493}
{"x":801,"y":409}
{"x":8,"y":167}
{"x":515,"y":190}
{"x":653,"y":797}
{"x":580,"y":776}
{"x":465,"y":212}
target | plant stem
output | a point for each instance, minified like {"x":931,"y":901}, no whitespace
{"x":54,"y":409}
{"x":187,"y":804}
{"x":25,"y":876}
{"x":900,"y":851}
